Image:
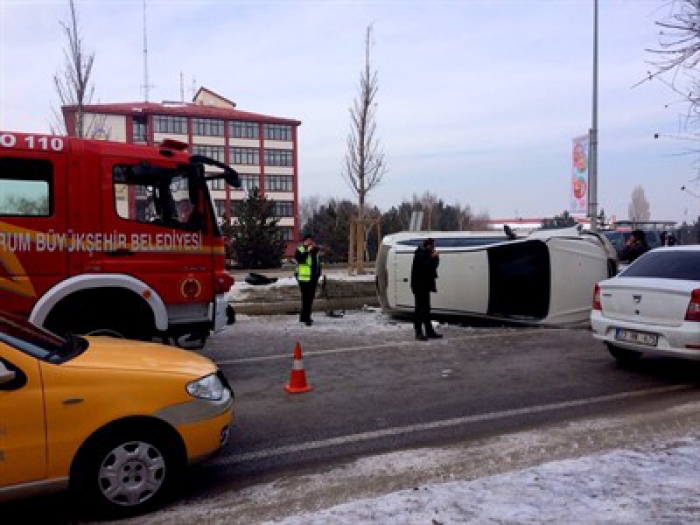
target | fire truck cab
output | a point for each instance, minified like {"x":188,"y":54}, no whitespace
{"x":108,"y":238}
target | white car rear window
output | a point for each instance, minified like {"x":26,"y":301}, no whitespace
{"x":666,"y":265}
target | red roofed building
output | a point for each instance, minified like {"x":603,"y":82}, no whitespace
{"x":261,"y":148}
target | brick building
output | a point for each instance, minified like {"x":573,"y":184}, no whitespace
{"x":261,"y":148}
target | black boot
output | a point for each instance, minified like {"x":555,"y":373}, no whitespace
{"x":434,"y":335}
{"x":420,"y":336}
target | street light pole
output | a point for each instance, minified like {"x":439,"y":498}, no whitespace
{"x":593,"y":134}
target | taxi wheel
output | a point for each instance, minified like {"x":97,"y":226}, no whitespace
{"x":128,"y":473}
{"x":623,"y":355}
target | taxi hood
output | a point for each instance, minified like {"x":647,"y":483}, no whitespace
{"x":107,"y":353}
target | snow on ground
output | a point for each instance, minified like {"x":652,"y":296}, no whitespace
{"x":656,"y":484}
{"x":369,"y":319}
{"x":241,"y":289}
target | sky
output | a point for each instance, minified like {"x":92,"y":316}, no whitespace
{"x":478,"y":100}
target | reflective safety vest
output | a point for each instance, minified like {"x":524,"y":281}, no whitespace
{"x":304,"y":268}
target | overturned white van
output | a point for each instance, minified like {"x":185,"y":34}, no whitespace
{"x":546,"y":278}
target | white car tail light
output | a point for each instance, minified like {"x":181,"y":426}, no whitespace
{"x":596,"y":298}
{"x":693,"y":312}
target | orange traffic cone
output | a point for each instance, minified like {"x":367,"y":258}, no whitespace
{"x":297,"y":382}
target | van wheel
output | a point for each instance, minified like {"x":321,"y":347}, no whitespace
{"x":623,"y":355}
{"x":127,"y":473}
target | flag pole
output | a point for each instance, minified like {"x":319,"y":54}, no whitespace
{"x":593,"y":134}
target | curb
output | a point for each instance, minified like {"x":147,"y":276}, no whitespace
{"x":294,"y":307}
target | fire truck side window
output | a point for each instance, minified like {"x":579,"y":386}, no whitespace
{"x":26,"y":187}
{"x":160,"y":200}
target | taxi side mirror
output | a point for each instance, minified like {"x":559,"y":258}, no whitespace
{"x":6,"y":376}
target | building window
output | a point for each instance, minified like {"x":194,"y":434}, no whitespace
{"x":277,"y":132}
{"x":245,"y":156}
{"x":169,"y":124}
{"x":216,"y":184}
{"x":208,"y":127}
{"x":286,"y":234}
{"x":283,"y":209}
{"x":220,"y":205}
{"x":278,"y":157}
{"x":244,"y":130}
{"x":140,"y":129}
{"x":26,"y":187}
{"x":213,"y":152}
{"x":248,"y":182}
{"x":278,"y":183}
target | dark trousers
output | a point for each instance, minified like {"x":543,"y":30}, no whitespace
{"x":308,"y":292}
{"x":421,"y":317}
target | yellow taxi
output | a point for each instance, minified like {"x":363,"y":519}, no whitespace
{"x":115,"y":420}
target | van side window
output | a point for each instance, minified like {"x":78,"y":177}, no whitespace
{"x":26,"y":187}
{"x":161,"y":197}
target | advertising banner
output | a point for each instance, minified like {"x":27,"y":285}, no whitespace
{"x":578,"y":201}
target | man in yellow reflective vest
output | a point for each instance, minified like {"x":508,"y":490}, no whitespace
{"x":307,"y":274}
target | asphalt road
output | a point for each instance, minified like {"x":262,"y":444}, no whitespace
{"x":376,"y":389}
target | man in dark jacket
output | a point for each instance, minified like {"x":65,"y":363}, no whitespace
{"x":423,"y":276}
{"x":636,"y":245}
{"x":307,"y":274}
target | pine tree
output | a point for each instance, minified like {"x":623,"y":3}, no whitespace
{"x":257,"y":241}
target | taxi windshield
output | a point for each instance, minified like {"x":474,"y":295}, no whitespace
{"x":37,"y":342}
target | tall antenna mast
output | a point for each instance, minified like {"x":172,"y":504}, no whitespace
{"x":182,"y":87}
{"x":146,"y":85}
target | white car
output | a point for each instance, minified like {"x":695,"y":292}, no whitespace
{"x":652,"y":307}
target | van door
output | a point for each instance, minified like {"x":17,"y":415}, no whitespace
{"x":22,"y":427}
{"x":520,"y":280}
{"x":463,"y":282}
{"x":34,"y":237}
{"x":403,"y":260}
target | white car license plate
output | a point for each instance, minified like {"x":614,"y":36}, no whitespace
{"x":632,"y":336}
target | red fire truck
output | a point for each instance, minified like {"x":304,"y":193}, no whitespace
{"x":109,"y":238}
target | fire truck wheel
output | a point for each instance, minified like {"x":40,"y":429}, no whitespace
{"x":108,"y":332}
{"x":94,"y":326}
{"x":93,"y":312}
{"x":132,"y":330}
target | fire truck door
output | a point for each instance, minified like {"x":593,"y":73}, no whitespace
{"x":159,"y":241}
{"x":34,"y":237}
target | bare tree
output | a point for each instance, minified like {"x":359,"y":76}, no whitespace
{"x":365,"y":166}
{"x":678,"y":54}
{"x":308,"y":207}
{"x":364,"y":161}
{"x":639,"y":206}
{"x":73,"y":82}
{"x":427,"y":203}
{"x":479,"y":222}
